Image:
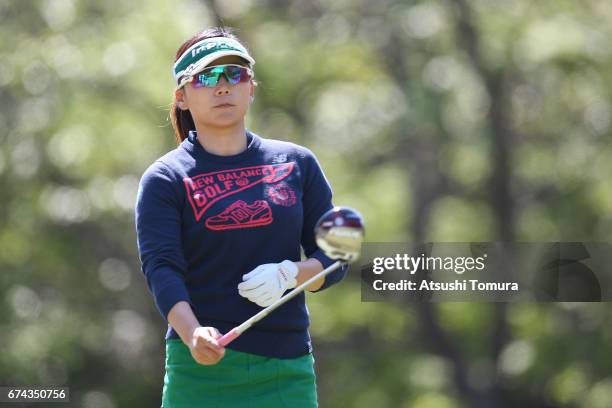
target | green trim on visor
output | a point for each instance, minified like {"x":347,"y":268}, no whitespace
{"x":202,"y":53}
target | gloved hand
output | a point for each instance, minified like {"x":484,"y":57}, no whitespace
{"x":265,"y":284}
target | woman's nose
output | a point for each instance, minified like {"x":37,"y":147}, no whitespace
{"x":222,"y":87}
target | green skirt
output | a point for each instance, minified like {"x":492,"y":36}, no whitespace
{"x":238,"y":380}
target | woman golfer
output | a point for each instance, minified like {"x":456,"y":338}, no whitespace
{"x":220,"y":222}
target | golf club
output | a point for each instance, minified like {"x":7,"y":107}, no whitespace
{"x":339,"y":233}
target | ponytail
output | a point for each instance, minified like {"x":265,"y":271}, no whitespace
{"x":182,"y":122}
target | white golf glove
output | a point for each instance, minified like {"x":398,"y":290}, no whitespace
{"x":265,"y":284}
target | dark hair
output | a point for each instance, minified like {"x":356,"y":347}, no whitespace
{"x":182,"y":121}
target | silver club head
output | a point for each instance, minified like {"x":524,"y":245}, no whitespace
{"x":339,"y":233}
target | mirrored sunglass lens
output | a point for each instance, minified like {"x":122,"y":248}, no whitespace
{"x":235,"y":74}
{"x":206,"y":80}
{"x":210,"y":77}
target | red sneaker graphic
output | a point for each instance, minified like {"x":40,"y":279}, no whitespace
{"x":241,"y":215}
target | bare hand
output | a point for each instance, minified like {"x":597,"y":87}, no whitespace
{"x":204,"y":347}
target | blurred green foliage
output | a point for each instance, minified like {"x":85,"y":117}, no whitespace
{"x":404,"y":103}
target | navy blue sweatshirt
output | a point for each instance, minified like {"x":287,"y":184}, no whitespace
{"x":204,"y":220}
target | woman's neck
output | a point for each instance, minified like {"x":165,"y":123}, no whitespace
{"x":222,"y":141}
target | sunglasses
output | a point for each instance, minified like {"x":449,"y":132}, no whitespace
{"x":210,"y":76}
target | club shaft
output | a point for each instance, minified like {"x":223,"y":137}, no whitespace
{"x":238,"y":330}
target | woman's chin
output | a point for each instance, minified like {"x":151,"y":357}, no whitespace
{"x":224,"y":123}
{"x":225,"y":119}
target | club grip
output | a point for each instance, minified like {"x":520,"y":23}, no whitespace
{"x":228,"y":337}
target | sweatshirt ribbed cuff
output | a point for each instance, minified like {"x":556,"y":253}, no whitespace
{"x":169,"y":296}
{"x":332,"y":278}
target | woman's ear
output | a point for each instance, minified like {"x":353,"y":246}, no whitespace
{"x":252,"y":91}
{"x":179,"y":96}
